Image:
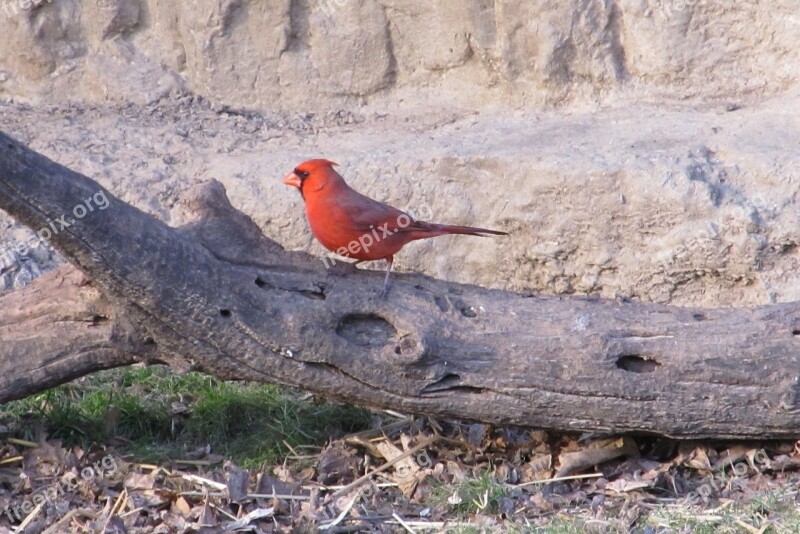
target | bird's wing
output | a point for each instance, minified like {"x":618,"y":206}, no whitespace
{"x":367,"y":214}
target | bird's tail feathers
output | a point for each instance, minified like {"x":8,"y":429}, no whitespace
{"x":466,"y":230}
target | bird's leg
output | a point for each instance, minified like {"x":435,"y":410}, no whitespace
{"x":389,"y":262}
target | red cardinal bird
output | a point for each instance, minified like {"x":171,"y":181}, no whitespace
{"x":352,"y":225}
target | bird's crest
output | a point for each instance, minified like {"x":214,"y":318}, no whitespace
{"x":313,"y":164}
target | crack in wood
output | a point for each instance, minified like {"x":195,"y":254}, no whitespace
{"x":318,"y":293}
{"x":270,"y":346}
{"x":98,"y":319}
{"x":338,"y":370}
{"x":635,"y":336}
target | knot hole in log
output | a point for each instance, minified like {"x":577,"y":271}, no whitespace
{"x":636,"y":363}
{"x":410,"y":349}
{"x":366,"y":330}
{"x":373,"y":331}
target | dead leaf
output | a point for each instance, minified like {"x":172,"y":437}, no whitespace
{"x":337,"y":465}
{"x":237,"y":480}
{"x":698,"y":459}
{"x":456,"y":473}
{"x":407,"y":473}
{"x":539,"y":467}
{"x":181,"y":506}
{"x":597,"y":453}
{"x":268,"y":485}
{"x":476,"y":434}
{"x":142,"y":492}
{"x":255,"y":515}
{"x":506,"y":472}
{"x":207,"y":517}
{"x":730,"y":456}
{"x":626,"y":484}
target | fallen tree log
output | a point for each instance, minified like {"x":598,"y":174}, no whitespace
{"x":216,"y":295}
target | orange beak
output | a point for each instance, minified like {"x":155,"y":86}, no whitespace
{"x":292,"y":179}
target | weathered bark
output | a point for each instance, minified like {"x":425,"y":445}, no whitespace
{"x":218,"y":296}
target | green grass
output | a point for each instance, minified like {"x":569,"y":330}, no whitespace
{"x":481,"y":494}
{"x":156,"y":415}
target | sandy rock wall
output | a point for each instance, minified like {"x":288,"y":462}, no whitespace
{"x":635,"y":148}
{"x":689,"y":204}
{"x":285,"y":54}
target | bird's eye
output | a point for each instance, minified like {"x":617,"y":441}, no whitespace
{"x":301,"y":174}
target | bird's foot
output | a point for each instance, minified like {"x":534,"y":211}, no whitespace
{"x":385,"y":291}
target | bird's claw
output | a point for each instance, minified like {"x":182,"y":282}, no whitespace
{"x":385,"y":291}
